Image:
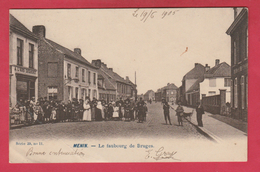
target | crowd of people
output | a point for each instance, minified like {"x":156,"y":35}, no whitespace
{"x":51,"y":111}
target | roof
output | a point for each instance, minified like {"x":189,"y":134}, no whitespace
{"x":148,"y":92}
{"x":69,"y":53}
{"x":195,"y":73}
{"x":113,"y":75}
{"x":108,"y":82}
{"x":17,"y":26}
{"x":170,"y":87}
{"x":220,"y":70}
{"x":242,"y":15}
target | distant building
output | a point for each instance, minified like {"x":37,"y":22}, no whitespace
{"x":121,"y":87}
{"x":64,"y":74}
{"x":239,"y":63}
{"x":149,"y":95}
{"x":23,"y":63}
{"x":189,"y":93}
{"x":215,"y":79}
{"x":158,"y":95}
{"x":169,"y":93}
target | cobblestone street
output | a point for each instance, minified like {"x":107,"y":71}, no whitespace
{"x":154,"y":127}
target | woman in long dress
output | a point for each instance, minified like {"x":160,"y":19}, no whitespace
{"x":87,"y":110}
{"x":116,"y":111}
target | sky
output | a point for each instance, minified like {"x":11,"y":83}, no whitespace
{"x":160,"y":44}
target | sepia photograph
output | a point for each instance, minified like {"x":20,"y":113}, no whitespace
{"x":128,"y":85}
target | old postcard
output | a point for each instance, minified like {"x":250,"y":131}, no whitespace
{"x":128,"y":85}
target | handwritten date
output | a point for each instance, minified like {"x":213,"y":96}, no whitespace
{"x":143,"y":15}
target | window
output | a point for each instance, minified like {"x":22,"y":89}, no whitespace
{"x":231,"y":93}
{"x":172,"y":92}
{"x":69,"y":70}
{"x":83,"y":75}
{"x":94,"y":78}
{"x":246,"y":82}
{"x":235,"y":94}
{"x":76,"y":92}
{"x":212,"y":82}
{"x":211,"y":93}
{"x":89,"y":81}
{"x":52,"y":69}
{"x":31,"y":51}
{"x":89,"y":92}
{"x":242,"y":83}
{"x":52,"y":93}
{"x":227,"y":82}
{"x":19,"y":52}
{"x":83,"y":94}
{"x":77,"y":72}
{"x":69,"y":93}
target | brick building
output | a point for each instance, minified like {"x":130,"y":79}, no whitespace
{"x":238,"y":32}
{"x":23,"y":63}
{"x":64,"y":74}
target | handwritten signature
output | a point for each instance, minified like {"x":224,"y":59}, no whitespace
{"x":145,"y":14}
{"x":160,"y":154}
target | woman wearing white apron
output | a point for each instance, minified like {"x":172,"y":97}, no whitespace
{"x":116,"y":111}
{"x":87,"y":111}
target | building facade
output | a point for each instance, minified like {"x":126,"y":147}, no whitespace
{"x":215,"y":79}
{"x":238,"y":32}
{"x":23,"y":63}
{"x":118,"y":86}
{"x":64,"y":74}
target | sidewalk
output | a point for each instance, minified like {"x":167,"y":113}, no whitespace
{"x":219,"y":127}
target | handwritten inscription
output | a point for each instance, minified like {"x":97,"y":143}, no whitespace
{"x":31,"y":152}
{"x":160,"y":154}
{"x":143,"y":14}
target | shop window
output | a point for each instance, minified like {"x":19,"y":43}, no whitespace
{"x":52,"y":93}
{"x":77,"y":93}
{"x":52,"y":69}
{"x":19,"y":52}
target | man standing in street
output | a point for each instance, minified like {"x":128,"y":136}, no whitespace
{"x":166,"y":111}
{"x":200,"y":111}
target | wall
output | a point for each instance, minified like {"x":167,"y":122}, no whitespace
{"x":49,"y":54}
{"x":80,"y":84}
{"x":13,"y":61}
{"x":205,"y":88}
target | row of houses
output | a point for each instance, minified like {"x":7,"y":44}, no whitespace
{"x":222,"y":85}
{"x":40,"y":67}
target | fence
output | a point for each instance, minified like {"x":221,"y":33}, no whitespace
{"x":211,"y":104}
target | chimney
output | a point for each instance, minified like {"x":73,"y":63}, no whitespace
{"x":168,"y":84}
{"x":39,"y":30}
{"x":127,"y":78}
{"x":196,"y":64}
{"x":111,"y":69}
{"x":96,"y":63}
{"x":217,"y":62}
{"x":207,"y":67}
{"x":77,"y":50}
{"x":235,"y":12}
